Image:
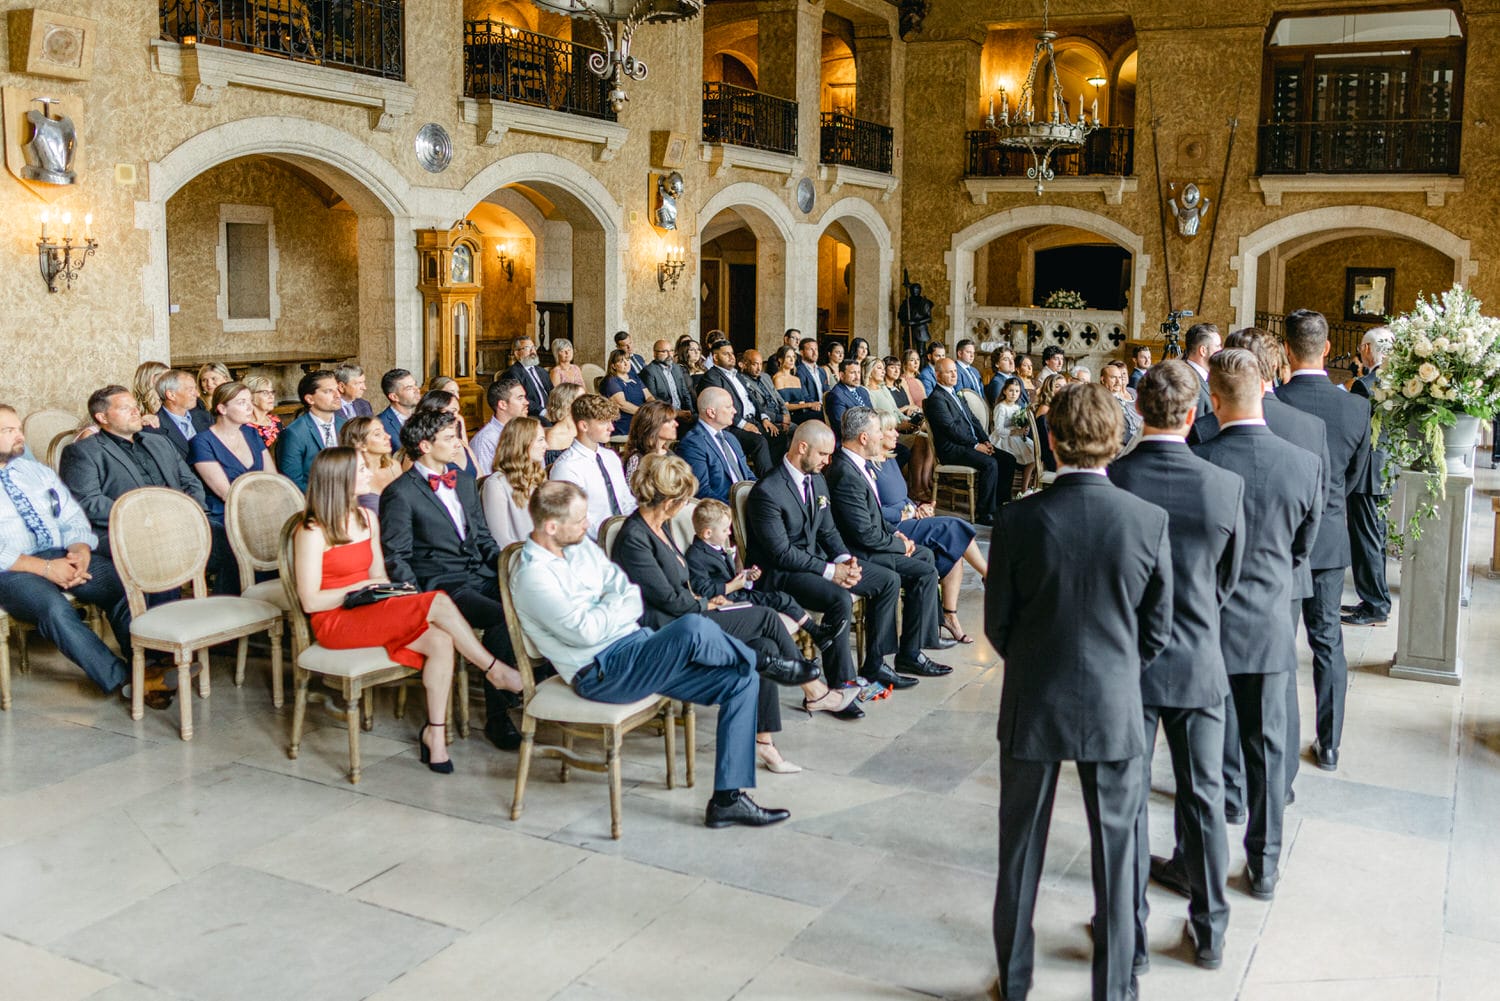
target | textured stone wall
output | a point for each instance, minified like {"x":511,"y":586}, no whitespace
{"x":1315,"y":278}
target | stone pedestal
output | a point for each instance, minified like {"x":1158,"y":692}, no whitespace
{"x":1434,"y":575}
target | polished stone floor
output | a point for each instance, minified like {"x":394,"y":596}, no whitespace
{"x":134,"y":866}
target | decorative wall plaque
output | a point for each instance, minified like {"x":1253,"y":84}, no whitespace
{"x":35,"y":159}
{"x":48,"y":44}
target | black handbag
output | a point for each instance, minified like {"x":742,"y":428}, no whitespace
{"x":371,"y":593}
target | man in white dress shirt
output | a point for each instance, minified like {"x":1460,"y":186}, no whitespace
{"x":582,"y":613}
{"x":507,"y":399}
{"x":595,"y":470}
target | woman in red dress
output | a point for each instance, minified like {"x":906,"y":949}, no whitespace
{"x":338,"y":551}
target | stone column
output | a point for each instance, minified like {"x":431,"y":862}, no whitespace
{"x":790,"y":35}
{"x":1434,"y":569}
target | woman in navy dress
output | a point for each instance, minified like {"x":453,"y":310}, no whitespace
{"x":799,"y":403}
{"x":229,"y":449}
{"x":628,"y":393}
{"x":950,"y":539}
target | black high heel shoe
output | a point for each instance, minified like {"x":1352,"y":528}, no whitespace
{"x":441,"y":767}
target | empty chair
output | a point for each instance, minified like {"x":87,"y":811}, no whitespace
{"x":42,"y":426}
{"x":259,"y":505}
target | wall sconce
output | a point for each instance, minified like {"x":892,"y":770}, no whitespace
{"x":507,"y":263}
{"x":64,"y":260}
{"x":674,"y":260}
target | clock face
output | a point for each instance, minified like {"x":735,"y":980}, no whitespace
{"x":463,"y":264}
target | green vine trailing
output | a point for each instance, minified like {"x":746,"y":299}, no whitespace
{"x":1443,"y":362}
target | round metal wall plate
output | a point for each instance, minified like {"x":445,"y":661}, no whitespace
{"x":434,"y":148}
{"x":805,"y":194}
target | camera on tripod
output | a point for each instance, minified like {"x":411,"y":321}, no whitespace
{"x":1171,"y":333}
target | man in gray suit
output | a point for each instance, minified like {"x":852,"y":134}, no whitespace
{"x":1367,"y":529}
{"x":1072,"y":687}
{"x":1185,"y":686}
{"x":1282,"y":485}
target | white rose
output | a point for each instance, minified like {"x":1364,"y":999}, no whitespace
{"x":1427,"y":371}
{"x":1422,"y":348}
{"x":1412,"y":389}
{"x":1378,"y":394}
{"x":1441,"y":344}
{"x":1442,"y":380}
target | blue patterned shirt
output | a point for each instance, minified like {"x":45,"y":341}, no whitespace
{"x":52,"y":501}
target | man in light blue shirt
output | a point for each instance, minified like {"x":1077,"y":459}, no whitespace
{"x":936,"y":352}
{"x":47,"y":549}
{"x":582,"y":613}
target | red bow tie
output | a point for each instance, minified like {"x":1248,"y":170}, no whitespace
{"x":448,"y":479}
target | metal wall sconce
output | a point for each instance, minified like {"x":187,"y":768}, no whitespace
{"x":674,"y":261}
{"x":65,"y":260}
{"x":507,"y":263}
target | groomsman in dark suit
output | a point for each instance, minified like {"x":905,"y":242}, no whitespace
{"x":960,"y":439}
{"x":528,"y":372}
{"x":856,"y":512}
{"x":434,"y":534}
{"x":1184,"y":688}
{"x":1201,"y":342}
{"x":1072,"y":687}
{"x":1367,"y":529}
{"x":1282,"y":484}
{"x":1347,"y":418}
{"x":792,"y":537}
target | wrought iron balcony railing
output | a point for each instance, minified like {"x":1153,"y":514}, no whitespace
{"x":1343,"y":337}
{"x":363,"y":36}
{"x":1107,"y":152}
{"x":506,"y":63}
{"x":1412,"y":146}
{"x":741,"y":117}
{"x":850,"y":142}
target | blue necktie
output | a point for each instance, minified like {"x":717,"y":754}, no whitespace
{"x":34,"y":523}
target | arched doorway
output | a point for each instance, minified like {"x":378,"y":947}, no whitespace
{"x":745,"y":276}
{"x":854,"y":255}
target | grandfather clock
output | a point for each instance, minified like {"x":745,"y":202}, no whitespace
{"x":449,"y":283}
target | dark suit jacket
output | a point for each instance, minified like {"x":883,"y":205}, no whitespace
{"x":536,"y":399}
{"x":953,"y":428}
{"x":1078,"y":599}
{"x":784,"y":537}
{"x":1374,"y":481}
{"x":97,"y":470}
{"x":856,"y":510}
{"x":1205,"y":517}
{"x":391,"y":421}
{"x":300,"y":443}
{"x":716,"y":376}
{"x":658,"y":377}
{"x":361,"y":408}
{"x":1348,"y":423}
{"x":659,"y":569}
{"x":763,"y":392}
{"x":202,"y":421}
{"x":805,"y":375}
{"x":1282,"y":514}
{"x":714,"y":477}
{"x":420,"y":541}
{"x":839,"y":399}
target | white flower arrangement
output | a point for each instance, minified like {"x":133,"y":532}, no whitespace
{"x":1444,"y":361}
{"x":1065,"y":299}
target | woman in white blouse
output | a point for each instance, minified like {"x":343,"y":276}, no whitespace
{"x":518,"y":472}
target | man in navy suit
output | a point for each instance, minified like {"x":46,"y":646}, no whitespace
{"x":848,"y":393}
{"x":752,"y":427}
{"x":352,"y":402}
{"x":714,"y":455}
{"x":400,"y":388}
{"x":936,"y":352}
{"x":959,"y":439}
{"x":968,"y":375}
{"x":809,"y":374}
{"x":181,"y":419}
{"x":316,"y":429}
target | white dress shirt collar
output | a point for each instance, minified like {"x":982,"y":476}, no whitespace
{"x":1179,"y":439}
{"x":1244,"y":422}
{"x":1073,"y":470}
{"x":1310,"y":371}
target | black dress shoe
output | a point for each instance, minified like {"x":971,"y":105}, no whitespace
{"x":1236,"y":817}
{"x":822,"y":635}
{"x":943,"y":643}
{"x":502,"y":732}
{"x":885,"y":676}
{"x":1205,"y":957}
{"x":788,"y":672}
{"x":921,"y":664}
{"x":1364,"y":617}
{"x":1170,"y":874}
{"x":743,"y":810}
{"x":1262,"y":887}
{"x":1327,"y":757}
{"x":1358,"y":606}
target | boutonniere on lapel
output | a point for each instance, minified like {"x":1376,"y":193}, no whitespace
{"x":822,"y":502}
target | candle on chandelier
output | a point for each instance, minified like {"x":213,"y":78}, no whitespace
{"x":45,"y":217}
{"x":88,"y":226}
{"x":67,"y":225}
{"x":992,"y":105}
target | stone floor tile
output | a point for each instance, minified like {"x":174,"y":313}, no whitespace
{"x":35,"y":974}
{"x":786,"y":979}
{"x":936,"y":754}
{"x":1391,"y":989}
{"x":37,"y":750}
{"x":916,"y":826}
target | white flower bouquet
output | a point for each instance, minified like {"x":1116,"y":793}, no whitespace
{"x":1065,"y":299}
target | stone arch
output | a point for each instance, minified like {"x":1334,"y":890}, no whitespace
{"x":778,"y":252}
{"x":389,"y":306}
{"x":1246,"y":263}
{"x":872,"y":272}
{"x":960,"y":257}
{"x":596,"y":218}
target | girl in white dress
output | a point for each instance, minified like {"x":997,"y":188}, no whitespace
{"x":1009,"y":436}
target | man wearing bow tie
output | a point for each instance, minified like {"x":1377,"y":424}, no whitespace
{"x":434,"y":534}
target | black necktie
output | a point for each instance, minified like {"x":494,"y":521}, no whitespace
{"x":609,"y":486}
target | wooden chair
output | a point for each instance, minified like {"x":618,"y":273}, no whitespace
{"x":355,"y":672}
{"x":593,"y":375}
{"x":609,"y":530}
{"x":259,"y":505}
{"x":60,"y":441}
{"x":42,"y":426}
{"x":138,"y":523}
{"x":556,"y":702}
{"x":4,"y":660}
{"x":681,"y":525}
{"x":977,"y":407}
{"x":953,"y":487}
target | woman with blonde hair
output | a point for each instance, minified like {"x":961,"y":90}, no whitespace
{"x":368,"y":437}
{"x":263,"y":401}
{"x":337,"y":551}
{"x":563,"y":432}
{"x":506,"y":493}
{"x":144,"y":390}
{"x":210,"y":377}
{"x":564,"y":371}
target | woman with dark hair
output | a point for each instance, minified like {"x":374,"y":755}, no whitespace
{"x":446,"y":402}
{"x":368,"y":437}
{"x":229,"y":449}
{"x":646,"y":551}
{"x":783,"y":370}
{"x":337,"y":552}
{"x":518,"y":472}
{"x":834,"y":355}
{"x":652,"y":432}
{"x":911,"y":364}
{"x":623,"y":389}
{"x":859,"y":349}
{"x":690,"y":357}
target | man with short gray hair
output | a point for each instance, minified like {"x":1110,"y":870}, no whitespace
{"x":180,"y":419}
{"x":351,"y":380}
{"x":1367,"y":529}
